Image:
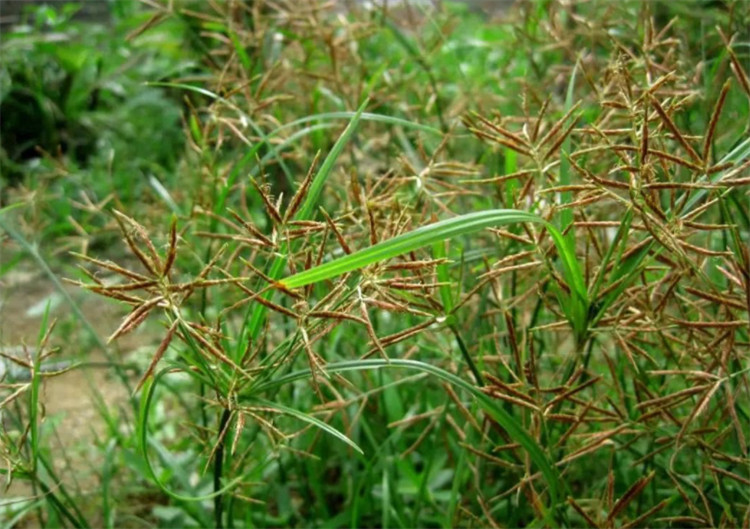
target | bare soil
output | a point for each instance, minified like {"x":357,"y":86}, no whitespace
{"x":69,"y":399}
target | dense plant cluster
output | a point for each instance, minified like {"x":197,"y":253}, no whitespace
{"x":444,"y":272}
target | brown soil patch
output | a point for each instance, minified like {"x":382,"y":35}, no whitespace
{"x":70,"y":398}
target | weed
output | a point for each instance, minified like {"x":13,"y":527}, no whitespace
{"x":506,"y":310}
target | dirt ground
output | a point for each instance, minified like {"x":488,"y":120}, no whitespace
{"x":70,"y":398}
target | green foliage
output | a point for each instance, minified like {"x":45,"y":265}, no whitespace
{"x":77,"y":118}
{"x":538,"y":226}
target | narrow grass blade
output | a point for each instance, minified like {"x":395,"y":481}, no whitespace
{"x":618,"y":242}
{"x":36,"y":381}
{"x":407,"y":242}
{"x":147,"y":396}
{"x":566,"y":197}
{"x":419,"y":59}
{"x":365,"y":116}
{"x":311,"y":200}
{"x":17,"y":205}
{"x":327,"y":428}
{"x":241,"y":53}
{"x":572,"y":270}
{"x":164,"y":194}
{"x":446,"y":296}
{"x":305,"y":213}
{"x":326,"y":119}
{"x":515,"y":429}
{"x":256,"y":128}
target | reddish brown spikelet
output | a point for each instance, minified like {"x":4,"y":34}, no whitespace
{"x":258,"y":297}
{"x":714,"y":120}
{"x":135,"y":318}
{"x":559,"y":140}
{"x":644,"y":133}
{"x":271,"y":209}
{"x":540,"y":116}
{"x":584,"y":514}
{"x":302,"y":191}
{"x":370,"y":329}
{"x":631,"y":494}
{"x":109,"y":265}
{"x":131,"y":228}
{"x":336,"y":232}
{"x":373,"y":230}
{"x":737,"y":68}
{"x":558,"y":126}
{"x":172,"y":252}
{"x":500,"y":130}
{"x":501,"y":141}
{"x":675,"y":131}
{"x":333,"y":315}
{"x":158,"y":355}
{"x":250,"y":228}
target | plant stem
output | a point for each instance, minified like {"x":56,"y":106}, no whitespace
{"x":467,"y":356}
{"x":218,"y":469}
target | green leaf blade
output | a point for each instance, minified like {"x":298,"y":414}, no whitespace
{"x":413,"y":240}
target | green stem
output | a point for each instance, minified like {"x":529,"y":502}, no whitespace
{"x":467,"y":357}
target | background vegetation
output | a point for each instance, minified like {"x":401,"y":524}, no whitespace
{"x":389,"y":267}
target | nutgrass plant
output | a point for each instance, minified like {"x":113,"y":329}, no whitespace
{"x":444,"y":273}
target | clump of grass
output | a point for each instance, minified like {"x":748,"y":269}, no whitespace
{"x":471,"y":305}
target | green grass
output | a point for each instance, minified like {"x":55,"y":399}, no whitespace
{"x":406,"y":268}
